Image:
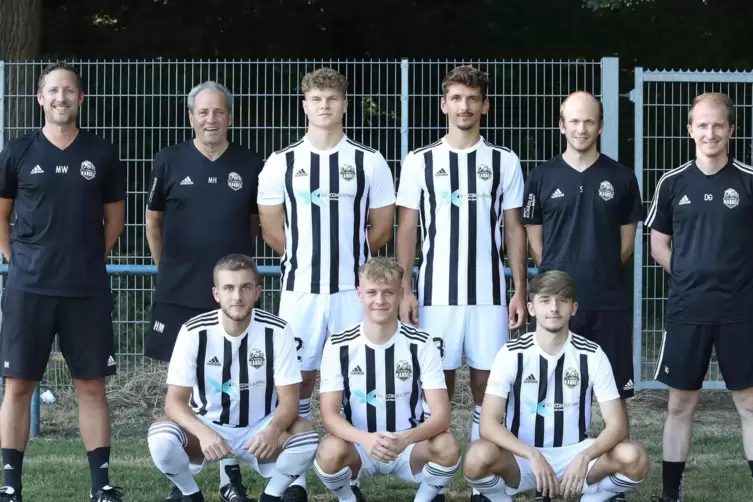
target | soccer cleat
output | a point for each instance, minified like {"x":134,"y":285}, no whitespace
{"x":540,"y":498}
{"x":295,"y":493}
{"x":8,"y":494}
{"x":620,"y":497}
{"x":233,"y":492}
{"x":175,"y":495}
{"x":479,"y":497}
{"x":438,"y":498}
{"x":108,"y":494}
{"x":194,"y":497}
{"x":358,"y":493}
{"x":664,"y":498}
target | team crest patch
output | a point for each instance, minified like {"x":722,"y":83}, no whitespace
{"x":606,"y":190}
{"x":235,"y":181}
{"x":403,"y":370}
{"x":256,"y":358}
{"x":88,"y":171}
{"x":347,"y":172}
{"x":731,"y":198}
{"x":572,"y":378}
{"x":484,"y":172}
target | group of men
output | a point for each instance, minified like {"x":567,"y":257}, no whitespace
{"x":240,"y":379}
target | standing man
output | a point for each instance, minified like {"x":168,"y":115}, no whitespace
{"x":468,"y":194}
{"x":701,"y":235}
{"x":202,"y":206}
{"x":67,"y":187}
{"x":325,"y":203}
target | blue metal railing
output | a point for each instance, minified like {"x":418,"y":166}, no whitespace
{"x":264,"y":270}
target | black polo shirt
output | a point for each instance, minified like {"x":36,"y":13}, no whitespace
{"x":58,"y":239}
{"x":207,"y":209}
{"x":581,"y":214}
{"x":710,"y":219}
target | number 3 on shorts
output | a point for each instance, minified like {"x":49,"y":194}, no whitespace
{"x":298,"y":347}
{"x":440,"y":345}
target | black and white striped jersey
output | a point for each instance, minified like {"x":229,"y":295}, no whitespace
{"x":461,"y":196}
{"x":382,"y":385}
{"x":327,"y":197}
{"x":549,"y":397}
{"x":234,"y":379}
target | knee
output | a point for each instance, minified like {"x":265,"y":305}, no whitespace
{"x":744,"y":403}
{"x":300,"y":426}
{"x":478,"y":459}
{"x":91,"y":390}
{"x":332,"y":454}
{"x":17,"y":389}
{"x":163,"y":438}
{"x":682,"y":403}
{"x":445,"y":450}
{"x":632,"y":459}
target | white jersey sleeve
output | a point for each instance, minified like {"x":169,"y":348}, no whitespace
{"x":271,"y":191}
{"x":502,"y":374}
{"x":512,"y":182}
{"x":182,"y":369}
{"x":604,"y":385}
{"x":286,"y":369}
{"x":330,"y":377}
{"x":382,"y":191}
{"x":411,"y":185}
{"x":430,"y":362}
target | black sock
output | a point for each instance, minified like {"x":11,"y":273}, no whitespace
{"x":99,"y":467}
{"x":672,"y":478}
{"x":13,"y":461}
{"x":750,"y":464}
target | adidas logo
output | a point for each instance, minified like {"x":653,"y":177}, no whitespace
{"x":110,"y":361}
{"x":106,"y":465}
{"x":8,"y":467}
{"x":301,"y":172}
{"x":557,"y":194}
{"x":441,"y":172}
{"x":629,"y":385}
{"x":37,"y":170}
{"x":186,"y":181}
{"x":356,"y":371}
{"x":214,"y":362}
{"x":530,"y":379}
{"x":684,"y":200}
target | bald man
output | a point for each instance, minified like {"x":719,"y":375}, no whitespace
{"x":581,"y":209}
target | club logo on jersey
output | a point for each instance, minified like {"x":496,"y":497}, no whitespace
{"x":88,"y":171}
{"x":235,"y":181}
{"x":572,"y":378}
{"x":256,"y":358}
{"x":731,"y":198}
{"x":606,"y":190}
{"x":369,"y":398}
{"x":347,"y":172}
{"x":403,"y":370}
{"x":484,"y":172}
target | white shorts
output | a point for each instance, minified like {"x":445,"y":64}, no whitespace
{"x":237,"y":438}
{"x":559,"y":459}
{"x":479,"y":330}
{"x":399,"y":467}
{"x":313,"y":317}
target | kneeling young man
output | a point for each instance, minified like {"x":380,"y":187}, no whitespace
{"x":537,"y":410}
{"x":233,"y":392}
{"x":374,"y":379}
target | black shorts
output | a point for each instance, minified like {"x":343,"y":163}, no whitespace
{"x":686,"y":353}
{"x":613,"y":331}
{"x":166,"y":322}
{"x":84,"y":329}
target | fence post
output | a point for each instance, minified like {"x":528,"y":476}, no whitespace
{"x":404,"y":93}
{"x":636,"y":95}
{"x":610,"y":98}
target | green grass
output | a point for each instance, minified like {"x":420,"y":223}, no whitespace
{"x":55,"y":467}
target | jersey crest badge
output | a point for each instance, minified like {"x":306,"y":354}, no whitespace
{"x":403,"y":370}
{"x":256,"y":358}
{"x":88,"y":171}
{"x":484,"y":172}
{"x":235,"y":181}
{"x":731,"y":198}
{"x":572,"y":378}
{"x":606,"y":190}
{"x":347,"y":172}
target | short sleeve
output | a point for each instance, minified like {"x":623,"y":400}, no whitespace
{"x":632,"y":204}
{"x":604,"y":386}
{"x":502,"y":374}
{"x":410,"y":186}
{"x":114,"y":189}
{"x":156,"y":200}
{"x":256,"y":165}
{"x":532,"y":210}
{"x":8,"y":175}
{"x":182,"y":368}
{"x":659,"y":215}
{"x":512,"y":183}
{"x":286,"y":368}
{"x":382,"y":190}
{"x":330,"y":377}
{"x":430,"y":361}
{"x":271,"y":191}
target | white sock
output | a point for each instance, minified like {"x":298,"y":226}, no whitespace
{"x":474,"y":426}
{"x":230,"y":471}
{"x":296,"y":456}
{"x":304,"y":409}
{"x":609,"y":487}
{"x":338,"y":483}
{"x":434,"y":478}
{"x":492,"y":487}
{"x":166,"y":445}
